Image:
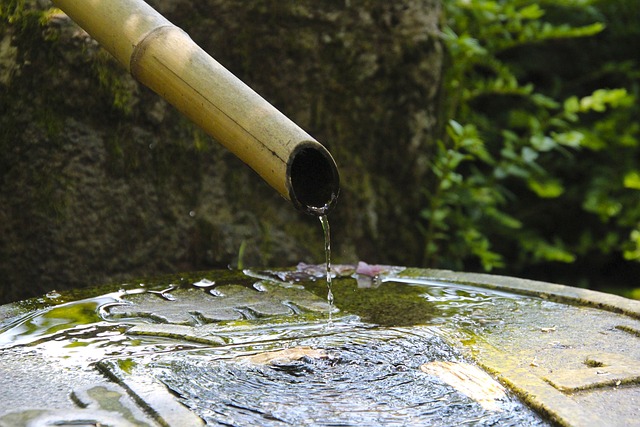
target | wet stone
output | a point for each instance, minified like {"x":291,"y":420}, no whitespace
{"x":600,"y":370}
{"x":286,"y":355}
{"x":469,"y":380}
{"x":96,"y":405}
{"x":194,"y":306}
{"x":202,"y":334}
{"x":572,"y":359}
{"x":66,"y":417}
{"x":144,"y":388}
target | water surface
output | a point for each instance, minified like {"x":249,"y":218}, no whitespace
{"x":193,"y":335}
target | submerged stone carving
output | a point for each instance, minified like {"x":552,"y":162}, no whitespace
{"x":194,"y":306}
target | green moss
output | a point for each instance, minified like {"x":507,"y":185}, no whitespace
{"x":390,"y":304}
{"x":114,"y":82}
{"x":201,"y":142}
{"x":17,"y":13}
{"x":127,"y":365}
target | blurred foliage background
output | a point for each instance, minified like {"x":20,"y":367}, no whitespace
{"x":536,"y":171}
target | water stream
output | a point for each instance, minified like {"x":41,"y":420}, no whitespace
{"x":324,"y":220}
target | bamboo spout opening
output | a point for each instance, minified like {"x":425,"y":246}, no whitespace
{"x":165,"y":59}
{"x":313,"y":179}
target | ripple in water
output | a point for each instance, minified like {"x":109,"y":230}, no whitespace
{"x":370,"y":378}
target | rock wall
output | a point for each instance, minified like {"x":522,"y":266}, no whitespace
{"x":103,"y":181}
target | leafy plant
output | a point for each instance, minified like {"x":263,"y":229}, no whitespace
{"x":508,"y":178}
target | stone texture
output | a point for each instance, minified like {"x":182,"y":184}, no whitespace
{"x":193,"y":306}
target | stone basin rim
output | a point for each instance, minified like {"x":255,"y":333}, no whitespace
{"x":547,"y":290}
{"x":527,"y":287}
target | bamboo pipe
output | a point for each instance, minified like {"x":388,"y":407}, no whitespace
{"x":164,"y":58}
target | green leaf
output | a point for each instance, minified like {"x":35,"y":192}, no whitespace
{"x":480,"y":247}
{"x":572,"y":105}
{"x":542,"y":142}
{"x":571,"y":138}
{"x":547,"y":189}
{"x":456,"y":127}
{"x":545,"y":251}
{"x":599,"y":100}
{"x":598,"y":202}
{"x":632,"y":180}
{"x":504,"y":219}
{"x":633,"y":253}
{"x":544,"y":101}
{"x":532,"y":11}
{"x":529,"y":155}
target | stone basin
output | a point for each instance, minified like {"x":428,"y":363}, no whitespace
{"x":401,"y":346}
